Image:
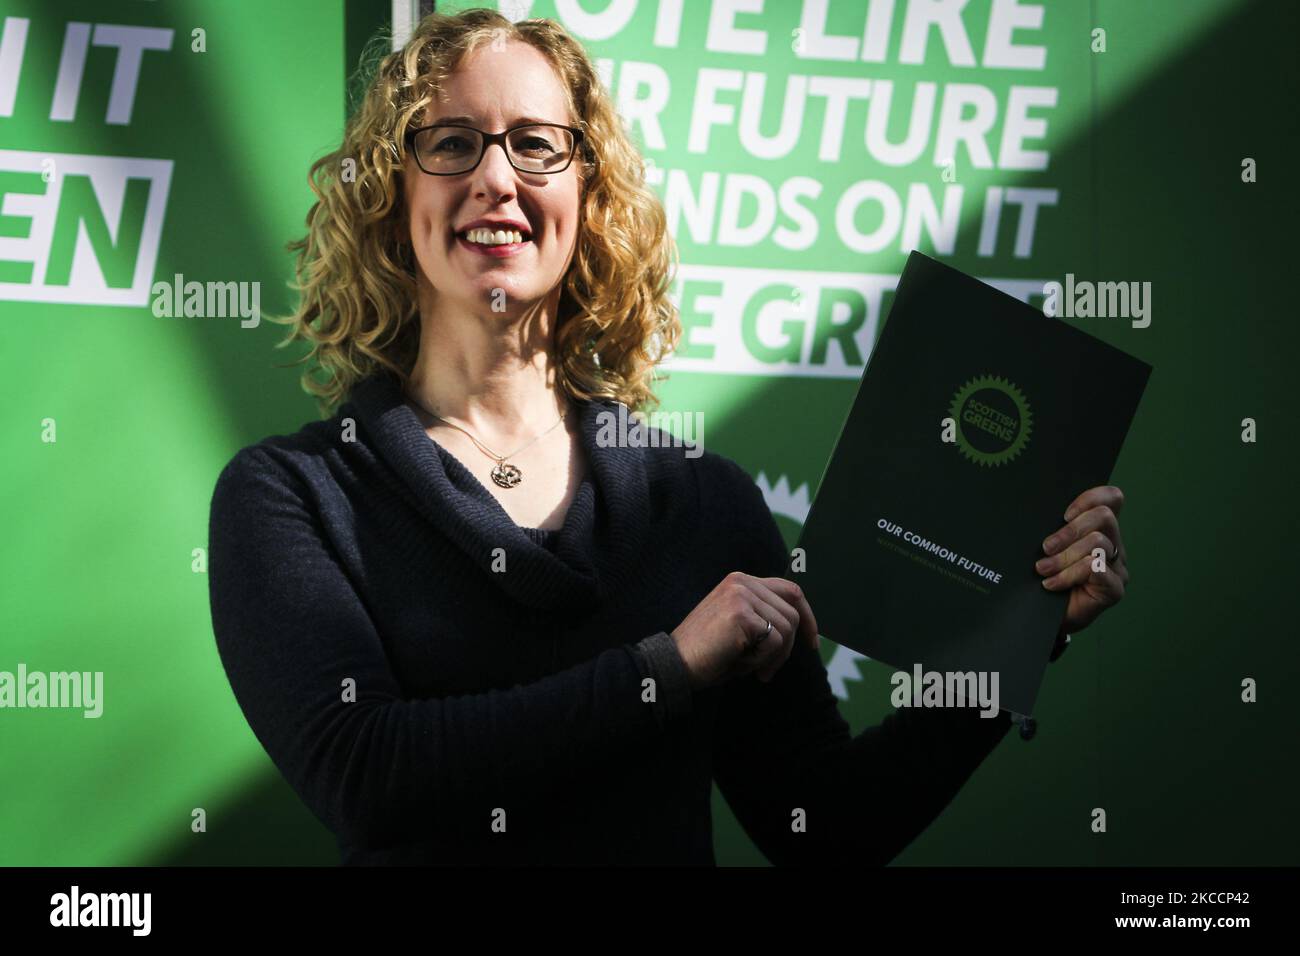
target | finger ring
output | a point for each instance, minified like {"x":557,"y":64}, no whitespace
{"x":762,"y":637}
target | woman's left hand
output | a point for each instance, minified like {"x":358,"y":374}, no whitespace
{"x":1092,"y":521}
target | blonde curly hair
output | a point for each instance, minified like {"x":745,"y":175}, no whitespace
{"x":356,"y":271}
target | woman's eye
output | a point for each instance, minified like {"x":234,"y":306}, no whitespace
{"x":449,"y":144}
{"x":537,"y":144}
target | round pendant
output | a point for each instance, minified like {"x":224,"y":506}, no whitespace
{"x":506,"y":475}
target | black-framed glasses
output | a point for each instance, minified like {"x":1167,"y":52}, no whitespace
{"x":449,"y":149}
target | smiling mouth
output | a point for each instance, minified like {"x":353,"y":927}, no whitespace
{"x":494,"y":237}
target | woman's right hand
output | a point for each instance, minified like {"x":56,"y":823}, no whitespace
{"x":719,"y":640}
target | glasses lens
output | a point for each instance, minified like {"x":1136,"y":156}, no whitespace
{"x":541,"y":149}
{"x":447,"y":149}
{"x":455,"y":149}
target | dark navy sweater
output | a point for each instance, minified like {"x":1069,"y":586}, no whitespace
{"x":440,"y":685}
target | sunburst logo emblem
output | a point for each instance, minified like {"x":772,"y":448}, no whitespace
{"x":782,"y":501}
{"x":993,"y":419}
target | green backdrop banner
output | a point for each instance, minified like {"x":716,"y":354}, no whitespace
{"x":153,"y":162}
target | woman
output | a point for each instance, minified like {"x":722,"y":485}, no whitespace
{"x":465,"y":627}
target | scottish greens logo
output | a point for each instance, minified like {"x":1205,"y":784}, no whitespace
{"x":993,"y":420}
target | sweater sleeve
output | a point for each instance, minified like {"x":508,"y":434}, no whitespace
{"x":292,"y":633}
{"x":783,"y":746}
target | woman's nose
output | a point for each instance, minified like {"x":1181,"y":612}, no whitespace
{"x":494,"y":174}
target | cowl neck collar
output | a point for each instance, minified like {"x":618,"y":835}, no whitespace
{"x":596,"y":551}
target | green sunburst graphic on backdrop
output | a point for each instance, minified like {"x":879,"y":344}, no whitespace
{"x":993,"y":420}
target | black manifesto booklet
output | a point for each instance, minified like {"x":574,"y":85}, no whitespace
{"x":977,"y":421}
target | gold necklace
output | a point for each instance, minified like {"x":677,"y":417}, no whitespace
{"x":503,"y":473}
